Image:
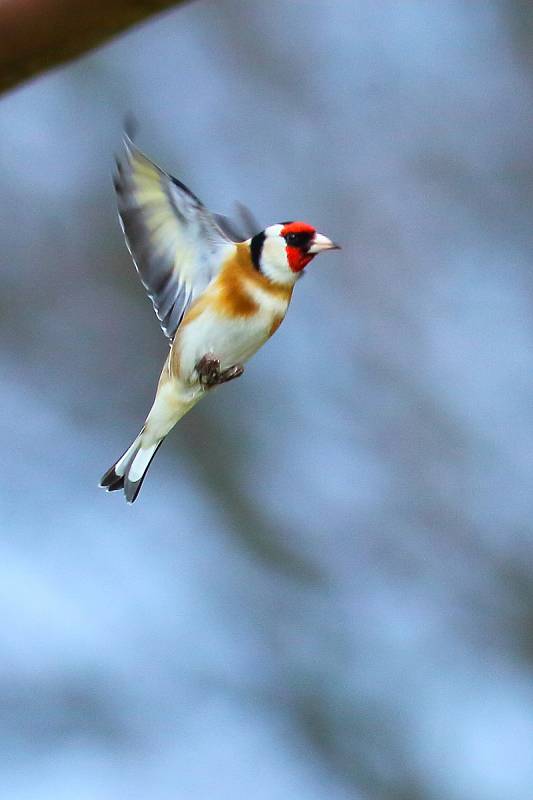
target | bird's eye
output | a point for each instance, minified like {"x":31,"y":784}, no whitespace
{"x":301,"y":239}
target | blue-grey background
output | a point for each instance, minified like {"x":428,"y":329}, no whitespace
{"x":325,"y":589}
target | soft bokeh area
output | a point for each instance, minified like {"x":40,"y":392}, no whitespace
{"x":325,"y":588}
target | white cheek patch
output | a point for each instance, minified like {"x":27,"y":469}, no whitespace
{"x":274,"y":261}
{"x":274,"y":250}
{"x":273,"y":231}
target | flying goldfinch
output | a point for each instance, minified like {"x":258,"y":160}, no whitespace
{"x":217,"y":300}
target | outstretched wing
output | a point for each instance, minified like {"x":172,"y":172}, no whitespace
{"x":243,"y":225}
{"x":176,"y":244}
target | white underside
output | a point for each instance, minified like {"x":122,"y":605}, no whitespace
{"x":231,"y":340}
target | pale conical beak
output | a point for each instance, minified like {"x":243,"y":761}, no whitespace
{"x":321,"y":243}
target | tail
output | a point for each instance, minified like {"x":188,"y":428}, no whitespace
{"x":129,"y":471}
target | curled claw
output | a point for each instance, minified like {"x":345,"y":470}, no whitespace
{"x":208,"y":369}
{"x":210,"y":374}
{"x":230,"y":373}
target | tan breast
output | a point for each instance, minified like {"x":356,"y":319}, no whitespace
{"x":243,"y":290}
{"x":239,"y":293}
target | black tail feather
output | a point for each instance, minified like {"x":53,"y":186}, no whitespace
{"x":111,"y":481}
{"x":132,"y":488}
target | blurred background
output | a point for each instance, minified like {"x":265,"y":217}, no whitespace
{"x":325,"y":589}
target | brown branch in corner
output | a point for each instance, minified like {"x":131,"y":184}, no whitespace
{"x":37,"y":35}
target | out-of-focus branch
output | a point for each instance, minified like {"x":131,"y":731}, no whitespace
{"x":36,"y":35}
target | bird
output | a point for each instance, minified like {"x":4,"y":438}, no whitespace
{"x":218,"y":299}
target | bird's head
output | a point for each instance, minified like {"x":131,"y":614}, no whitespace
{"x":282,"y":251}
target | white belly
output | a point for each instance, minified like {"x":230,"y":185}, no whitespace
{"x":231,"y":340}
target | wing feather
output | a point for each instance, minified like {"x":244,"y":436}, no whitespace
{"x":177,"y":246}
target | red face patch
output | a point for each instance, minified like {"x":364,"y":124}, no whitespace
{"x":298,"y":236}
{"x":297,"y":227}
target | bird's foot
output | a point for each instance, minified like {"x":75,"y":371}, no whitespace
{"x":210,"y":374}
{"x":231,"y":373}
{"x":208,"y":369}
